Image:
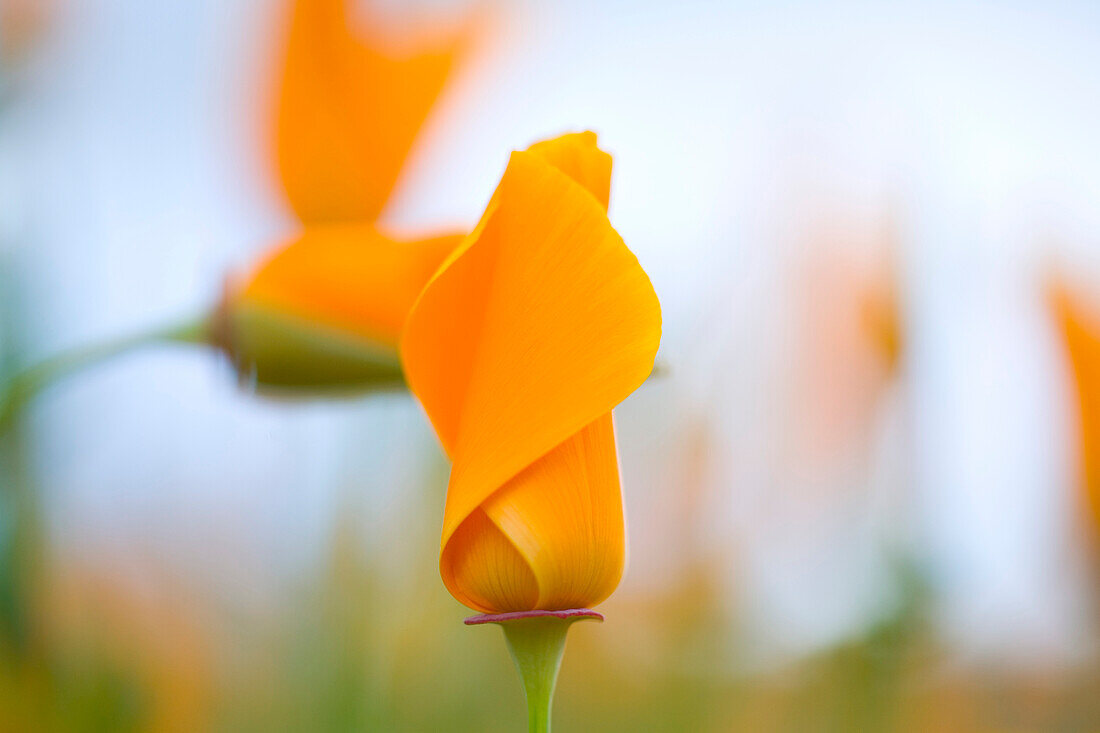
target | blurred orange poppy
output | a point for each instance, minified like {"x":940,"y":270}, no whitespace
{"x":535,"y":327}
{"x":325,"y":310}
{"x":1080,"y":327}
{"x":881,"y":320}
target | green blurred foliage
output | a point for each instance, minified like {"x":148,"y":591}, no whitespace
{"x":363,"y":646}
{"x":42,"y":688}
{"x":355,"y":650}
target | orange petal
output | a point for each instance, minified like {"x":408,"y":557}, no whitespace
{"x":536,"y":326}
{"x":350,"y":277}
{"x":1081,"y":329}
{"x":478,"y":545}
{"x":350,"y":108}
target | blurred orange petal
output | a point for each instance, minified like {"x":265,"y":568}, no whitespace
{"x":1080,"y":327}
{"x":538,"y":324}
{"x":882,"y":322}
{"x":350,"y":106}
{"x":349,"y":276}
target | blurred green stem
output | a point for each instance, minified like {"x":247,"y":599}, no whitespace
{"x":25,"y":385}
{"x":20,"y":546}
{"x":536,"y":645}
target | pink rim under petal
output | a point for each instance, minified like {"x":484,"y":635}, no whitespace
{"x":576,"y":614}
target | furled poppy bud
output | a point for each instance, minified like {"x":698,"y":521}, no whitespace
{"x":325,"y":312}
{"x":536,"y":326}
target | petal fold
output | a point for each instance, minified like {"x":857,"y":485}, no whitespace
{"x":578,"y":156}
{"x":564,"y":515}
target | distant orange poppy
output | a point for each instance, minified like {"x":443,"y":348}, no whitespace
{"x":535,"y":327}
{"x":1080,"y":327}
{"x":881,"y":320}
{"x":325,"y":310}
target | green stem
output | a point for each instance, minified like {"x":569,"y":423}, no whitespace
{"x":23,"y":386}
{"x":536,"y":645}
{"x":21,"y":554}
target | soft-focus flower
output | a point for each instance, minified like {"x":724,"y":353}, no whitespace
{"x":325,"y":311}
{"x":351,"y":103}
{"x":1080,"y":327}
{"x":848,"y":345}
{"x":882,"y":322}
{"x":537,"y":325}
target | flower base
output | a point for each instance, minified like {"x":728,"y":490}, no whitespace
{"x":536,"y":641}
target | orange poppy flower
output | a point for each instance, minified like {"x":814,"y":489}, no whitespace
{"x":1081,"y":329}
{"x":351,"y":103}
{"x":535,"y":327}
{"x":325,"y":311}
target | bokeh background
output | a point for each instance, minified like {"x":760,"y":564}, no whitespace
{"x":855,"y":492}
